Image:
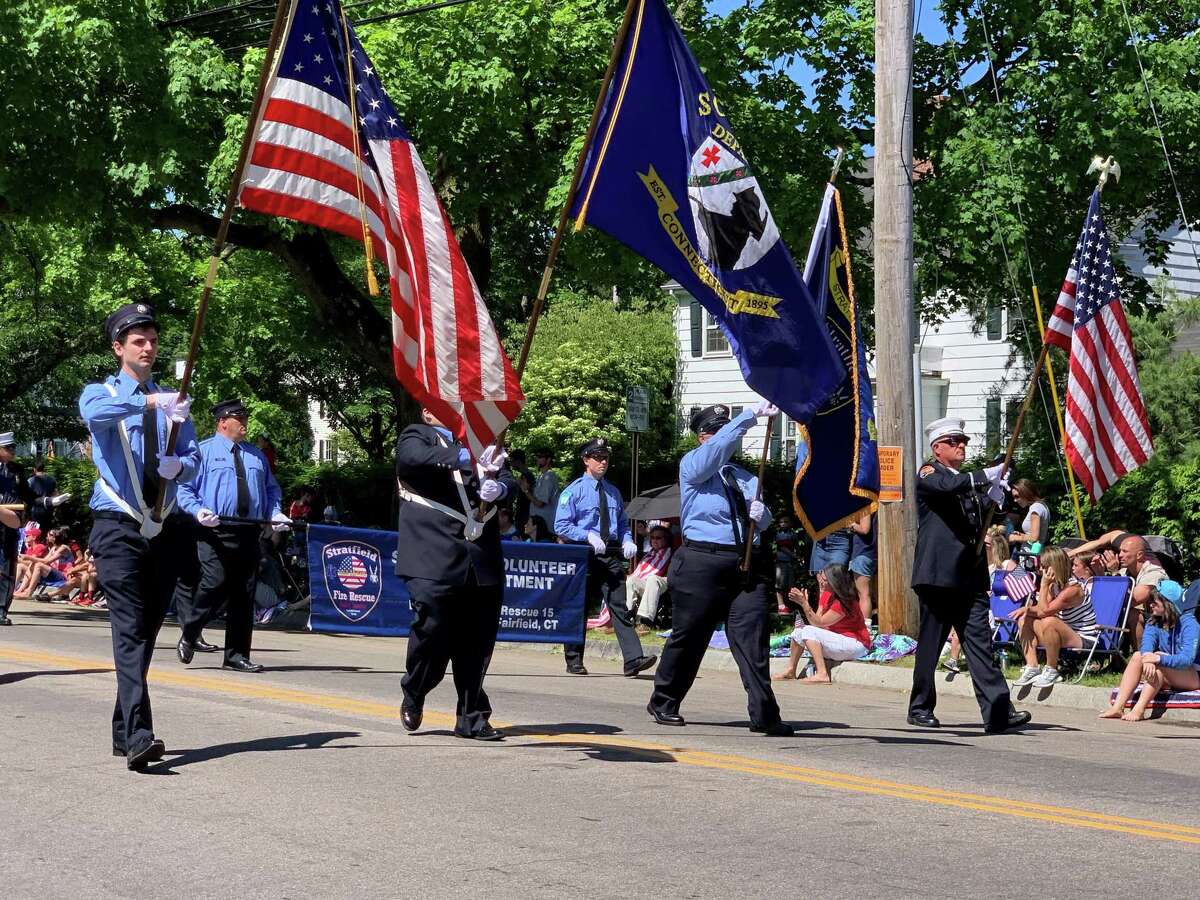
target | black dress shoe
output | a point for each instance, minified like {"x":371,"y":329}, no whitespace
{"x":410,"y":718}
{"x":641,"y":664}
{"x":139,"y":758}
{"x":241,"y":665}
{"x":923,"y":720}
{"x":185,"y":650}
{"x":663,"y":718}
{"x":1015,"y":720}
{"x":118,"y":751}
{"x":486,"y":733}
{"x":778,"y":729}
{"x":576,"y":670}
{"x":5,"y":620}
{"x":204,"y":646}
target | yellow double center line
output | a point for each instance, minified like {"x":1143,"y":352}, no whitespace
{"x":1006,"y":806}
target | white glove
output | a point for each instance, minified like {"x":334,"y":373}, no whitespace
{"x":993,"y":472}
{"x":208,"y":518}
{"x":997,"y":491}
{"x":629,"y":549}
{"x":490,"y":490}
{"x":172,"y":407}
{"x":765,"y":410}
{"x":491,"y":460}
{"x":758,"y":512}
{"x":280,"y":522}
{"x":596,"y":541}
{"x":169,"y":467}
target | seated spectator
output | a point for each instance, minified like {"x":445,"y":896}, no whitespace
{"x":508,"y":528}
{"x":1169,"y":654}
{"x":1135,"y":561}
{"x":1035,"y":526}
{"x":50,"y":566}
{"x":82,"y":576}
{"x":836,"y":631}
{"x":644,"y":587}
{"x":1062,"y":616}
{"x":330,"y":515}
{"x":301,"y":508}
{"x":33,"y":549}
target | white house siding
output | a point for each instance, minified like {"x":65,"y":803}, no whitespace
{"x":1179,"y":272}
{"x":324,"y":447}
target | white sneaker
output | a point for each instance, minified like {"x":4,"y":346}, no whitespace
{"x":1028,"y":674}
{"x":57,"y":500}
{"x":1048,"y":678}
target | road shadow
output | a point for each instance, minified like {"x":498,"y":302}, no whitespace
{"x":577,"y":743}
{"x":14,"y":677}
{"x":316,"y":740}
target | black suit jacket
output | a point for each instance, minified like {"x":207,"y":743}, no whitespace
{"x":431,"y":543}
{"x":950,"y":510}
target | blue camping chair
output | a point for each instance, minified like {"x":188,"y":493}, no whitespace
{"x":1004,"y":629}
{"x":1191,"y":598}
{"x":1110,"y":596}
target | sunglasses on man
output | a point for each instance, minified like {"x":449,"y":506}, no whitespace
{"x":955,"y":440}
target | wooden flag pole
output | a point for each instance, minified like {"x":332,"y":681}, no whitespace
{"x":762,"y":471}
{"x":1012,"y":441}
{"x":368,"y":247}
{"x":214,"y":259}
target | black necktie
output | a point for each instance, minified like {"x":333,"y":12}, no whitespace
{"x":243,"y":488}
{"x":149,"y":452}
{"x":603,"y":511}
{"x":740,"y":516}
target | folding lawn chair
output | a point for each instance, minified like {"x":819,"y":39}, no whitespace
{"x":1110,"y":595}
{"x":1191,"y":598}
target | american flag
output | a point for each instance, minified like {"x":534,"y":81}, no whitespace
{"x":302,"y":166}
{"x":1019,"y":584}
{"x":1108,"y":434}
{"x":351,"y":572}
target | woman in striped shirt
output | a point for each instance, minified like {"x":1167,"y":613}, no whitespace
{"x":649,"y":579}
{"x":1062,"y":616}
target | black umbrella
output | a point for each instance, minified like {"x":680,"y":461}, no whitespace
{"x":656,"y":503}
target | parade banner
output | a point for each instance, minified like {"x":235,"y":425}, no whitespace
{"x":355,"y":590}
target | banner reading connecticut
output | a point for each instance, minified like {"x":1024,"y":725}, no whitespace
{"x":355,"y":590}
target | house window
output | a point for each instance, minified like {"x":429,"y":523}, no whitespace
{"x":789,"y":452}
{"x":1012,"y":409}
{"x":327,"y":451}
{"x":734,"y":412}
{"x":789,"y":427}
{"x":776,"y":446}
{"x":995,"y":323}
{"x":715,"y":342}
{"x":993,"y":425}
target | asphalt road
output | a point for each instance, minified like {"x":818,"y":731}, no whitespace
{"x":299,"y":782}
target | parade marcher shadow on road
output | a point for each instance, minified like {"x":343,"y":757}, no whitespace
{"x":13,"y":677}
{"x":317,"y":740}
{"x":597,"y":750}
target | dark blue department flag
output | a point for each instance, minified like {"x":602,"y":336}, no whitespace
{"x":837,"y":464}
{"x":667,"y":177}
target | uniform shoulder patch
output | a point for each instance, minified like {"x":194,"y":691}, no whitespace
{"x":926,"y":470}
{"x":564,"y":499}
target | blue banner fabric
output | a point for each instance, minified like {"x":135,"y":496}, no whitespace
{"x":355,"y":589}
{"x":837,"y":462}
{"x":666,"y":176}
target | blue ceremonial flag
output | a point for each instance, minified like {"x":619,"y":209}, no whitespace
{"x":666,"y":176}
{"x":837,"y":464}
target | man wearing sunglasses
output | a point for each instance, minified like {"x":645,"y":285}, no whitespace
{"x":950,"y":577}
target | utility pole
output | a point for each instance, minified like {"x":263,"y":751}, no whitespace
{"x":894,"y":303}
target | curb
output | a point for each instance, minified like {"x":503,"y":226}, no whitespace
{"x":873,"y":675}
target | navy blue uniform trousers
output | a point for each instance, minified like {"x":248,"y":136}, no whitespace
{"x":228,"y":565}
{"x":138,"y":576}
{"x":709,"y":587}
{"x":606,"y":587}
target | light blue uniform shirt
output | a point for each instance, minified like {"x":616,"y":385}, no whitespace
{"x":215,"y":487}
{"x":703,"y":502}
{"x":103,"y":414}
{"x":578,"y":511}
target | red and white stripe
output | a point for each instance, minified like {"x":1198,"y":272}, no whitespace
{"x":654,"y":563}
{"x":1108,"y":432}
{"x":445,"y":348}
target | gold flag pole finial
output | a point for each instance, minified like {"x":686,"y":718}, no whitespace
{"x":1106,"y":167}
{"x":837,"y":164}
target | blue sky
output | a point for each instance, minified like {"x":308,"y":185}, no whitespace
{"x":928,"y":24}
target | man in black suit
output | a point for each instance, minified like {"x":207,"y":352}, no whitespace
{"x":449,"y":556}
{"x":951,"y":580}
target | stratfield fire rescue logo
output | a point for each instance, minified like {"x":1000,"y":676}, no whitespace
{"x":352,"y":578}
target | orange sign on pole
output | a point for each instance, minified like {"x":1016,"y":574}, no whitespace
{"x":891,"y":475}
